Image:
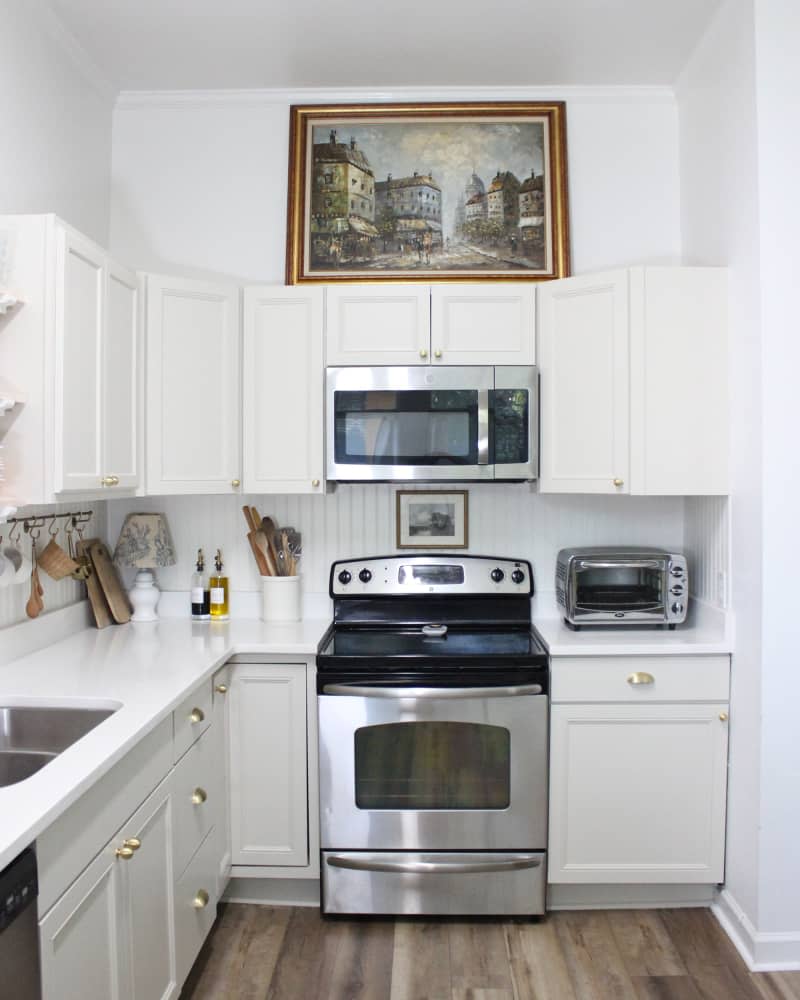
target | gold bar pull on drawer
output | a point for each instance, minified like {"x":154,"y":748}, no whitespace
{"x":640,"y":677}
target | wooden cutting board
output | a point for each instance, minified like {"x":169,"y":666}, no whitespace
{"x":97,"y":598}
{"x":107,"y":574}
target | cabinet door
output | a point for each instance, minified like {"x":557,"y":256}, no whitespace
{"x":82,"y":938}
{"x":283,"y":390}
{"x":120,"y":379}
{"x":193,"y":399}
{"x":388,"y":325}
{"x":79,"y":320}
{"x":269,"y":789}
{"x":583,"y":362}
{"x":488,"y":324}
{"x":637,"y":793}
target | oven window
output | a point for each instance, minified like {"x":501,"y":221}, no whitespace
{"x":623,"y":588}
{"x":410,"y":427}
{"x":433,"y":765}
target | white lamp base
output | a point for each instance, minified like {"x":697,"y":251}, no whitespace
{"x":144,"y":597}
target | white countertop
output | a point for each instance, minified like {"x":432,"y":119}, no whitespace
{"x":147,"y":670}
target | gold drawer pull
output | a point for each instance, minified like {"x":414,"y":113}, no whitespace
{"x":199,"y":795}
{"x":133,"y":842}
{"x":197,"y":715}
{"x":109,"y":481}
{"x":201,"y":900}
{"x":221,"y":688}
{"x":640,"y":677}
{"x":723,"y":716}
{"x":619,"y":482}
{"x":126,"y":853}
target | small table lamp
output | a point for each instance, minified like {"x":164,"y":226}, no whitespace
{"x":145,"y":542}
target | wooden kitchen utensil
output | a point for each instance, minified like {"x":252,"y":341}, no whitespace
{"x":35,"y":604}
{"x":270,"y":531}
{"x":263,"y":557}
{"x":97,"y":598}
{"x":106,"y":572}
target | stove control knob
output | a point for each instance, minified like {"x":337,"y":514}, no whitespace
{"x":677,"y":608}
{"x":365,"y":576}
{"x":497,"y":575}
{"x":518,"y":576}
{"x":345,"y":577}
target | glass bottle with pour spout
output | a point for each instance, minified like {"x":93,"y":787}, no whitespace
{"x":201,"y":596}
{"x":218,"y":587}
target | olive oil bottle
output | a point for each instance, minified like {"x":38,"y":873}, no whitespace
{"x":201,"y":596}
{"x":218,"y":586}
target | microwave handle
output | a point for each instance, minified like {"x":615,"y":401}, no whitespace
{"x":623,"y":563}
{"x":483,"y":426}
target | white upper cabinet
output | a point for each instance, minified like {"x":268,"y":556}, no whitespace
{"x":452,"y":324}
{"x":283,"y":390}
{"x":193,"y":377}
{"x":634,"y":382}
{"x":120,"y":378}
{"x":383,"y":325}
{"x":488,"y":324}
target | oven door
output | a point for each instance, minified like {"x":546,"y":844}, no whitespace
{"x":433,"y":768}
{"x":617,"y":591}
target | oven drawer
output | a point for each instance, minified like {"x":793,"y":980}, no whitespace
{"x":639,"y":678}
{"x":440,"y":883}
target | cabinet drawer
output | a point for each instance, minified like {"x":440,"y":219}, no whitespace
{"x":196,"y":798}
{"x":665,"y":678}
{"x":192,"y":920}
{"x":191,"y":719}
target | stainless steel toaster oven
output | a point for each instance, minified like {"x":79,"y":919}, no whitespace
{"x":622,"y":585}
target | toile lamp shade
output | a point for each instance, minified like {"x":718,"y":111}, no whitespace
{"x":145,"y":542}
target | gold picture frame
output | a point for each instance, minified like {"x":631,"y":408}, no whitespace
{"x":427,"y":192}
{"x":432,"y":519}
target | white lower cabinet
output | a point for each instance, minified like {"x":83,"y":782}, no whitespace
{"x":638,"y":786}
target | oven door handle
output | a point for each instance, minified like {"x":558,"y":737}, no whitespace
{"x":363,"y":691}
{"x":582,"y":564}
{"x":435,"y":867}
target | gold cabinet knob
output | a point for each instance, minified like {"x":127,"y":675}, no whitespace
{"x":201,"y":900}
{"x":109,"y":481}
{"x":199,"y":796}
{"x":196,"y":715}
{"x":723,"y":716}
{"x":437,"y":353}
{"x":423,"y":353}
{"x":236,"y":483}
{"x":133,"y":842}
{"x":619,"y":482}
{"x":126,"y":853}
{"x":640,"y":677}
{"x":315,"y":483}
{"x":221,"y":688}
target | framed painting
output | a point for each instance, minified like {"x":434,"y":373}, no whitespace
{"x":427,"y":192}
{"x":432,"y":519}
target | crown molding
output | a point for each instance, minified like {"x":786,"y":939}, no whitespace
{"x":132,"y":100}
{"x":91,"y":72}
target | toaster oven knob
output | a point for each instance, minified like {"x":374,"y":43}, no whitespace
{"x":677,"y":608}
{"x":677,"y":590}
{"x":677,"y":570}
{"x":518,"y":576}
{"x":345,"y":577}
{"x":497,"y":574}
{"x":365,"y":576}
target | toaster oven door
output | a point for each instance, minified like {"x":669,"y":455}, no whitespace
{"x":617,"y":591}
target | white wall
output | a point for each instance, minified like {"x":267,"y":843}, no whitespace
{"x":200,"y":181}
{"x":56,"y":122}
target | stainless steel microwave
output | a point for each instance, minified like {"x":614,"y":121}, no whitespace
{"x":423,"y":424}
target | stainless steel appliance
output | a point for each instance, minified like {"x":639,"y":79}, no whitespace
{"x":433,"y":716}
{"x":19,"y":931}
{"x":623,"y":585}
{"x":423,"y":424}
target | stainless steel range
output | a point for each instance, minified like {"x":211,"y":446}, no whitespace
{"x":433,"y":714}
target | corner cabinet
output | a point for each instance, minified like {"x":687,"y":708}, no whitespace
{"x":282,"y":390}
{"x":448,"y":324}
{"x":193,"y":398}
{"x":638,"y":769}
{"x":633,"y":368}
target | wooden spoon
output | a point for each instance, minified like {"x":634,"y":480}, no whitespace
{"x":261,"y":546}
{"x":270,"y":531}
{"x":34,"y":606}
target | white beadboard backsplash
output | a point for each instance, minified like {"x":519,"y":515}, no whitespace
{"x":507,"y":520}
{"x":706,"y":544}
{"x":57,"y":594}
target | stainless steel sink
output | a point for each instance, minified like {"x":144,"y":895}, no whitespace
{"x":31,"y":736}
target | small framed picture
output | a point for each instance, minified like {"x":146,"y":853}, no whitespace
{"x":432,"y":519}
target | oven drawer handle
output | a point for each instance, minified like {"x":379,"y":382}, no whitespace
{"x":362,"y":691}
{"x":435,"y":867}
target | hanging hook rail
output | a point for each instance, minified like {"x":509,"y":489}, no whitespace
{"x":38,"y":521}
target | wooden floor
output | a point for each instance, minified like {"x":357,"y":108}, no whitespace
{"x":292,"y":953}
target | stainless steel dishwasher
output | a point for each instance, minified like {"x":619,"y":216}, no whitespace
{"x":19,"y":931}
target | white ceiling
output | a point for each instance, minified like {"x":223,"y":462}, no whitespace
{"x":210,"y":44}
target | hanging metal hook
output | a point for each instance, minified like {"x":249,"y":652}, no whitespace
{"x":52,"y":525}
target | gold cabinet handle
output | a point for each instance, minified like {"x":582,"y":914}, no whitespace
{"x":196,"y":715}
{"x":723,"y":716}
{"x":423,"y":353}
{"x":236,"y":483}
{"x":315,"y":483}
{"x":201,"y":900}
{"x":437,"y":353}
{"x":640,"y":677}
{"x":109,"y":481}
{"x":619,"y":482}
{"x":199,"y":796}
{"x":221,"y":688}
{"x":133,"y":842}
{"x":126,"y":853}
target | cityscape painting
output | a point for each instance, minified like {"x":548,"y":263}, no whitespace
{"x":427,"y":192}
